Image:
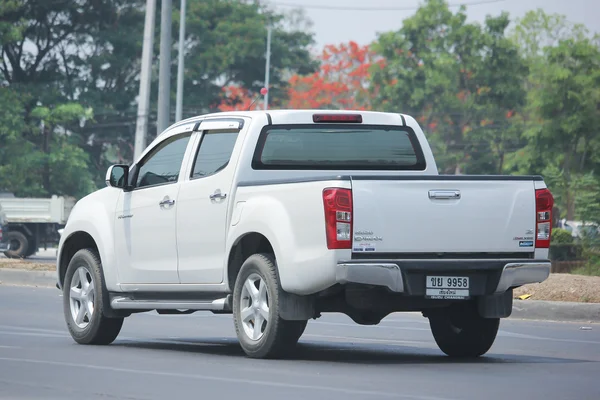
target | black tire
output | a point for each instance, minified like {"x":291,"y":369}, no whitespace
{"x":279,"y":336}
{"x":32,"y":248}
{"x":462,"y":332}
{"x":19,"y":244}
{"x":99,"y":329}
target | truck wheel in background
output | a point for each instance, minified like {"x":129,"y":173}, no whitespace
{"x":260,"y":329}
{"x":84,"y":297}
{"x":32,"y":247}
{"x":461,"y":332}
{"x":19,"y":245}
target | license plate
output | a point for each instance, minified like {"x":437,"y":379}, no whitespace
{"x":447,"y":287}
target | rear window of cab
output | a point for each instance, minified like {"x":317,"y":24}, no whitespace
{"x":338,"y":147}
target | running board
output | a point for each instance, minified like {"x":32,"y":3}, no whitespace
{"x":127,"y":303}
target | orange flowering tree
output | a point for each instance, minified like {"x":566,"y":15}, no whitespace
{"x":342,"y":81}
{"x":235,"y":98}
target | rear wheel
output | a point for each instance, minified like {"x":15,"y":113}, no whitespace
{"x":462,"y":332}
{"x":260,"y":329}
{"x":18,"y":244}
{"x":84,"y":299}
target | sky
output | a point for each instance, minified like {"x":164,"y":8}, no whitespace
{"x":335,"y":22}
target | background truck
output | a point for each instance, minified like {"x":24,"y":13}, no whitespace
{"x":280,"y":216}
{"x":31,"y":223}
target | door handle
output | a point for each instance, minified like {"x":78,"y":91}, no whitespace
{"x":218,"y":195}
{"x":166,"y":202}
{"x":444,"y":194}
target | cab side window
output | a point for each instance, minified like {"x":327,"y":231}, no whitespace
{"x":163,"y":164}
{"x":214,"y":152}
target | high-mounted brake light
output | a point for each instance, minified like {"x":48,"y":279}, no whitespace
{"x":338,"y":217}
{"x":337,"y":118}
{"x":544,"y":202}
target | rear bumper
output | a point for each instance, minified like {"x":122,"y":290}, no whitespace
{"x":4,"y":246}
{"x":408,"y":276}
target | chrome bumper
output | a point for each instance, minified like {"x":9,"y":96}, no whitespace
{"x":518,"y":274}
{"x":389,"y":274}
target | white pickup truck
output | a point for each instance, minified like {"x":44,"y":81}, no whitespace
{"x":279,"y":216}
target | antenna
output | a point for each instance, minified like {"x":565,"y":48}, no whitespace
{"x":263,"y":92}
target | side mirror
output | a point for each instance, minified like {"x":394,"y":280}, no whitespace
{"x":117,"y":176}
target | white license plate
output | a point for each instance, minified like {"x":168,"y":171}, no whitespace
{"x":447,"y":287}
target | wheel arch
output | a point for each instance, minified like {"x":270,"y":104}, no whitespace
{"x":244,"y":246}
{"x":76,"y":241}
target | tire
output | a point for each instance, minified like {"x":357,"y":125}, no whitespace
{"x":22,"y":244}
{"x":462,"y":332}
{"x":99,"y":329}
{"x":274,"y":337}
{"x":32,"y":248}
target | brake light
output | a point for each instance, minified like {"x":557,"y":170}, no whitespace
{"x":0,"y":233}
{"x":338,"y":217}
{"x":544,"y":202}
{"x":337,"y":118}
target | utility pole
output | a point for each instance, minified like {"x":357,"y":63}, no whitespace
{"x":141,"y":126}
{"x":268,"y":66}
{"x":179,"y":100}
{"x":164,"y":72}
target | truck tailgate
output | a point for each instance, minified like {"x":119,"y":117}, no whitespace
{"x":443,"y":215}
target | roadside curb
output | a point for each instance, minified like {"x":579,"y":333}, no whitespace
{"x":522,"y":309}
{"x":563,"y":311}
{"x":23,"y":277}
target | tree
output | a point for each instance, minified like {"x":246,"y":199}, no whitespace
{"x":461,"y":80}
{"x":226,"y":47}
{"x":83,"y":51}
{"x":563,"y":105}
{"x":342,"y":81}
{"x":52,"y":163}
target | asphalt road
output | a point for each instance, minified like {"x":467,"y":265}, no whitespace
{"x":197,"y":356}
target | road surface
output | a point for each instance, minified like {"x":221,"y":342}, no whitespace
{"x":197,"y":356}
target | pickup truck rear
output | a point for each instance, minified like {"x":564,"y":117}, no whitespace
{"x":278,"y":217}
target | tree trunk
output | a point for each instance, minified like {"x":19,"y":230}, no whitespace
{"x":501,"y":163}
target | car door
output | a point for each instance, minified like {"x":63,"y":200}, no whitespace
{"x":203,"y":206}
{"x":145,"y":230}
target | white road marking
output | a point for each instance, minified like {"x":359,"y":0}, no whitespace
{"x":222,"y":379}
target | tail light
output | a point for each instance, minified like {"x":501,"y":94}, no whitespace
{"x":0,"y":233}
{"x":338,"y":217}
{"x":543,"y":214}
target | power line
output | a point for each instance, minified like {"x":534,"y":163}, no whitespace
{"x":345,"y":8}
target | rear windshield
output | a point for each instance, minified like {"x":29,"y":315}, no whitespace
{"x":338,"y":147}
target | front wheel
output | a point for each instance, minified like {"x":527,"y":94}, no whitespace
{"x":462,"y":332}
{"x":260,"y":329}
{"x":84,"y":299}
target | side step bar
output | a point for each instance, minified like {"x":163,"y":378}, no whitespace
{"x":127,"y":303}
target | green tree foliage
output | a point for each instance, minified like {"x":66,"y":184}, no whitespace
{"x":463,"y":81}
{"x":562,"y":111}
{"x":41,"y":158}
{"x":63,"y":54}
{"x":226,"y":46}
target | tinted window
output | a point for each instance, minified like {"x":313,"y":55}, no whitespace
{"x":214,"y":152}
{"x":164,"y":162}
{"x":338,"y":147}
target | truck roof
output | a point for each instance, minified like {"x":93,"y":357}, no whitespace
{"x":285,"y":115}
